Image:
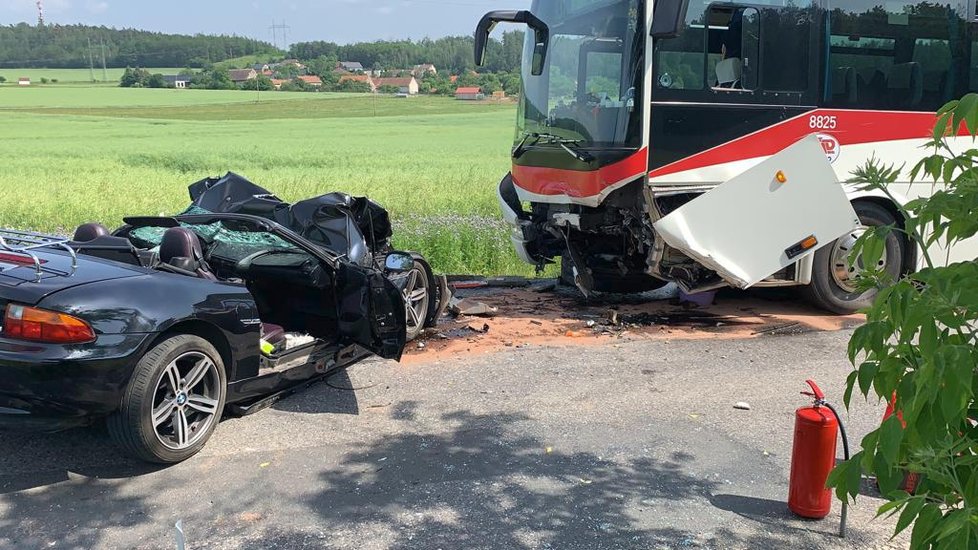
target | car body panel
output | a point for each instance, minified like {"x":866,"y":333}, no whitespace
{"x":743,"y":229}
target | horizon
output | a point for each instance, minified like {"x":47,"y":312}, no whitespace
{"x":306,"y":20}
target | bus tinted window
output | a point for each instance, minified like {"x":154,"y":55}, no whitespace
{"x":891,"y":55}
{"x":729,"y":48}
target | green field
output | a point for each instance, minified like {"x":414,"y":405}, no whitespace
{"x":73,"y":155}
{"x":74,"y":75}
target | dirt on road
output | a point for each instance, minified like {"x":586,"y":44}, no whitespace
{"x":543,"y":313}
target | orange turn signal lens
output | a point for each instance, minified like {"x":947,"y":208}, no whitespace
{"x":809,"y":243}
{"x":781,"y":177}
{"x":39,"y":325}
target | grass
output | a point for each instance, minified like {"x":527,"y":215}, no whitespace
{"x":79,"y":156}
{"x":74,"y":75}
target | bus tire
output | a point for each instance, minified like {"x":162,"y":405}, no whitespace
{"x":830,"y":288}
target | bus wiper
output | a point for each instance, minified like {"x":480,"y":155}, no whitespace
{"x":578,"y":153}
{"x":564,"y":144}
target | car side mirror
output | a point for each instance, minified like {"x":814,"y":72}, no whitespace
{"x":399,"y":262}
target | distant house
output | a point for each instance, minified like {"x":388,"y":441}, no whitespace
{"x":261,"y":68}
{"x":453,"y":79}
{"x":242,"y":75}
{"x":359,"y":78}
{"x":469,"y":93}
{"x":499,"y":94}
{"x":405,"y":85}
{"x":350,"y":66}
{"x":176,"y":80}
{"x":24,"y":81}
{"x":277,"y":83}
{"x":423,"y":69}
{"x":286,"y":62}
{"x":311,"y":80}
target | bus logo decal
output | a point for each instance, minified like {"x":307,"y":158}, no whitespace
{"x":830,"y":145}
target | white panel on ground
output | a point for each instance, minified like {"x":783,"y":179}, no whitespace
{"x":744,"y":228}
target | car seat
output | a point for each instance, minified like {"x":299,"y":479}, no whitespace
{"x":89,"y":232}
{"x":729,"y":72}
{"x":180,"y":249}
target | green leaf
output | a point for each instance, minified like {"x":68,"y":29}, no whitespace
{"x":891,"y":435}
{"x":867,"y":372}
{"x":923,"y":529}
{"x":967,"y":110}
{"x":910,"y":511}
{"x":850,"y":384}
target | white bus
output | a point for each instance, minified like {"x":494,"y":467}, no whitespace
{"x":631,"y":109}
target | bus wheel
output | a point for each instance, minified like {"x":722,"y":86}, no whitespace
{"x":833,"y":284}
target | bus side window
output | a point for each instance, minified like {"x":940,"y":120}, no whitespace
{"x":733,"y":47}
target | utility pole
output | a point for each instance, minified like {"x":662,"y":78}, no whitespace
{"x":105,"y":72}
{"x":91,"y":62}
{"x":285,"y":33}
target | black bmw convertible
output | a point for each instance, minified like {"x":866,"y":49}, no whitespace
{"x":166,"y":323}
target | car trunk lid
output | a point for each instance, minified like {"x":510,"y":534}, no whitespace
{"x":21,"y":283}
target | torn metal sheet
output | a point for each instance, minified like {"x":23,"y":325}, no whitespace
{"x":765,"y":219}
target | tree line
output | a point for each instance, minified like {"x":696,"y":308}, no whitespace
{"x":452,"y":54}
{"x":77,"y":46}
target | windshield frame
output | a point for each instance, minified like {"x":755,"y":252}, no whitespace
{"x":581,"y":121}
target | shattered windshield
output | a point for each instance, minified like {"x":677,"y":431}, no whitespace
{"x":230,"y":244}
{"x":590,"y":89}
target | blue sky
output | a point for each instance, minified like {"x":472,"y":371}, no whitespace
{"x":340,"y":21}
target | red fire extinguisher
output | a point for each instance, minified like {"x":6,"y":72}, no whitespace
{"x":813,"y":457}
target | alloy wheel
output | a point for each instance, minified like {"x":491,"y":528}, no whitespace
{"x":845,"y":273}
{"x":416,"y":297}
{"x":186,"y":400}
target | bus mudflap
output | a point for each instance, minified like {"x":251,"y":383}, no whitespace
{"x":765,"y":219}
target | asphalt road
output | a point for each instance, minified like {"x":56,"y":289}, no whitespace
{"x":633,"y":444}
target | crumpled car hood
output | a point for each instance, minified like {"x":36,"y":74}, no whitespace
{"x":356,"y":227}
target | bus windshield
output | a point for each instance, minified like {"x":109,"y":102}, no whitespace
{"x":590,"y":88}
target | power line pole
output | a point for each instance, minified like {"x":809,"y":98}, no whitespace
{"x":105,"y":72}
{"x":285,"y":33}
{"x":91,"y":62}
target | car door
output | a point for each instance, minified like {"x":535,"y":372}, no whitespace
{"x":370,"y":310}
{"x":765,"y":219}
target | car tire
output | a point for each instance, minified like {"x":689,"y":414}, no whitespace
{"x":165,"y":416}
{"x":420,"y":308}
{"x":829,"y":289}
{"x":431,"y":317}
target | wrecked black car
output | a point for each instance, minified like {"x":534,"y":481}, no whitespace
{"x":164,"y":324}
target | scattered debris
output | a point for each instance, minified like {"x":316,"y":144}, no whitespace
{"x":574,"y":334}
{"x":507,"y":282}
{"x":742,"y":406}
{"x":548,"y":286}
{"x":421,"y":345}
{"x":264,"y":464}
{"x":481,"y":330}
{"x":467,"y":306}
{"x":537,"y":323}
{"x":590,"y":323}
{"x":462,"y":285}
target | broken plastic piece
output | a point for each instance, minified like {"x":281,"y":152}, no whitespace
{"x":466,"y":306}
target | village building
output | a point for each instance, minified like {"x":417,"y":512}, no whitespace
{"x":311,"y":80}
{"x":469,"y":93}
{"x":359,"y":78}
{"x":350,"y":66}
{"x":424,"y":69}
{"x":177,"y":81}
{"x":405,"y":85}
{"x":24,"y":81}
{"x":242,"y":75}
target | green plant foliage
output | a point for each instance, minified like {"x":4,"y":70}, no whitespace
{"x":920,"y":344}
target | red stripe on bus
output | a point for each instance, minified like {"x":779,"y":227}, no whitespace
{"x":851,"y":128}
{"x":578,"y":184}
